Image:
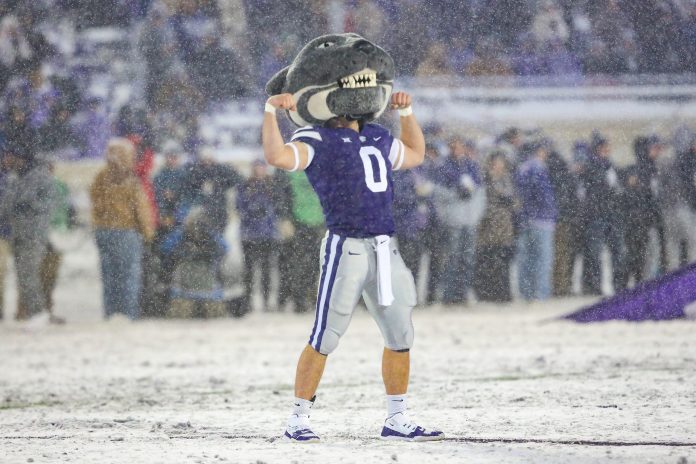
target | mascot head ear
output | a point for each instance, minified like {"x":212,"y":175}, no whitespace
{"x":277,"y":82}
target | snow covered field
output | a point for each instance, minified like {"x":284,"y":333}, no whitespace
{"x":504,"y":383}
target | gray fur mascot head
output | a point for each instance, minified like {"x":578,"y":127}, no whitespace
{"x":336,"y":75}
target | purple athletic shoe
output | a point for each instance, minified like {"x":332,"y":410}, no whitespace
{"x":301,"y":435}
{"x":399,"y":427}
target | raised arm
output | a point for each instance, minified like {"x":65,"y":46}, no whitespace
{"x":291,"y":157}
{"x":411,"y":133}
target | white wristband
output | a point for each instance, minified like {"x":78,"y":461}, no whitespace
{"x":269,"y":108}
{"x":408,"y":111}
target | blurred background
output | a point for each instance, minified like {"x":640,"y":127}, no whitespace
{"x":595,"y":98}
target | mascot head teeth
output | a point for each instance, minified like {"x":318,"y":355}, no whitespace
{"x":334,"y":75}
{"x":358,"y":80}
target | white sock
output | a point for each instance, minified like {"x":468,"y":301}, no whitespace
{"x":395,"y":404}
{"x":300,"y":414}
{"x":301,"y":407}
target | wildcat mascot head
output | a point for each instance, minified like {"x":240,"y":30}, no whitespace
{"x":336,"y":75}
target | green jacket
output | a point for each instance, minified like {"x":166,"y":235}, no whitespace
{"x":306,"y":209}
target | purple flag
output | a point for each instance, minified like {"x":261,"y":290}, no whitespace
{"x":655,"y":300}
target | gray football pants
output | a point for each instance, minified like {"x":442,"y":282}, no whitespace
{"x":349,"y":271}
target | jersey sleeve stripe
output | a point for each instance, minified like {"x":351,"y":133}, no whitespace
{"x":310,"y":155}
{"x":308,"y":134}
{"x":402,"y":155}
{"x":394,"y":152}
{"x":297,"y":156}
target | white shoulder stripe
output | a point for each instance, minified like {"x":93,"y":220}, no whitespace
{"x":394,"y":152}
{"x":296,"y":152}
{"x":308,"y":134}
{"x":310,"y":155}
{"x":401,"y":155}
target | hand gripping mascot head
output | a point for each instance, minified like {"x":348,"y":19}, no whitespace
{"x":336,"y":75}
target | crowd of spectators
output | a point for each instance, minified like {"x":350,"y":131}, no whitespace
{"x":464,"y":220}
{"x":470,"y":211}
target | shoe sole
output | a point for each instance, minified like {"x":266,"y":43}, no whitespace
{"x":302,"y":442}
{"x":415,"y":439}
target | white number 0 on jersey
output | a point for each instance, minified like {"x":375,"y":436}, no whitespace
{"x":381,"y":184}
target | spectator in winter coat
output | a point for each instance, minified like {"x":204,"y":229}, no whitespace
{"x":434,"y":235}
{"x":496,"y":234}
{"x":256,"y":205}
{"x":528,"y":61}
{"x":93,"y":129}
{"x":549,"y":24}
{"x":122,"y":221}
{"x":568,"y":233}
{"x":640,"y":206}
{"x":134,"y":124}
{"x":205,"y":183}
{"x":410,"y":218}
{"x":195,"y":258}
{"x":459,"y":198}
{"x":15,"y":48}
{"x":680,"y":218}
{"x":167,"y":186}
{"x":510,"y":143}
{"x":537,"y":219}
{"x":27,"y":206}
{"x":603,"y":193}
{"x":158,"y":45}
{"x":35,"y":95}
{"x":144,"y":164}
{"x":5,"y":248}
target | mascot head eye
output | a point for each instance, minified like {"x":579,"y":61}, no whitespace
{"x":326,"y":44}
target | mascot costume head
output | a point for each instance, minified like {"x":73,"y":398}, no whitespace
{"x":336,"y":75}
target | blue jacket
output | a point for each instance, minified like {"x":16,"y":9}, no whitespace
{"x":167,"y":184}
{"x":257,"y":208}
{"x":536,"y":193}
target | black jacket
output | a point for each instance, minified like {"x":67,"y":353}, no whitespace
{"x":686,"y":170}
{"x":602,"y":190}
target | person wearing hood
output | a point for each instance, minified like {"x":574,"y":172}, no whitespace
{"x":604,"y":224}
{"x":27,"y":206}
{"x":496,"y":232}
{"x":459,"y":197}
{"x":122,"y":220}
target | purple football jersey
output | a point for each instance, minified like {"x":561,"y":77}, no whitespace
{"x":352,"y":175}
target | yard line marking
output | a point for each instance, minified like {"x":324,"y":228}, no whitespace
{"x":473,"y":440}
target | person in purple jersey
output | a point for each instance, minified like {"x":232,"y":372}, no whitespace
{"x":349,"y":164}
